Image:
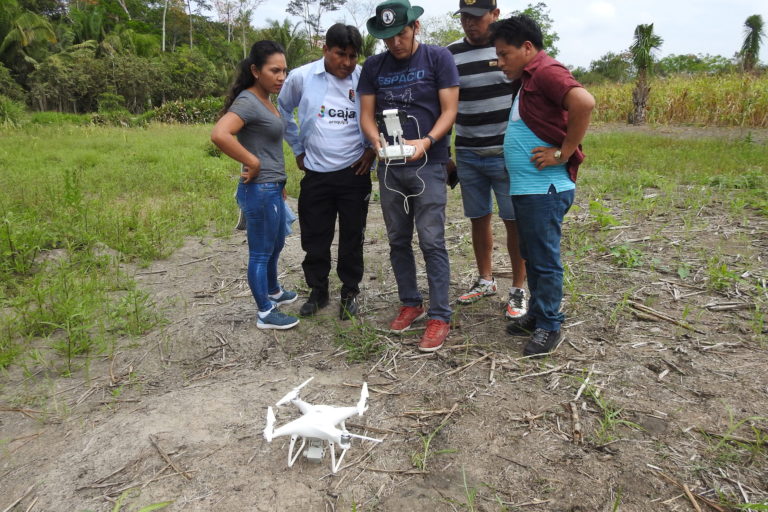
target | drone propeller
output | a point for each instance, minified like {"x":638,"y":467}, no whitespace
{"x":293,"y":394}
{"x":365,"y":438}
{"x":270,"y":428}
{"x":362,"y":403}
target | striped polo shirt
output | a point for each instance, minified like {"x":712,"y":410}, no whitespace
{"x":485,"y":97}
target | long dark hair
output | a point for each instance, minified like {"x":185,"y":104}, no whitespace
{"x":260,"y":52}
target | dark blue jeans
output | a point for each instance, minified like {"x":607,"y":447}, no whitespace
{"x":539,"y":227}
{"x":262,"y":204}
{"x":426,"y":213}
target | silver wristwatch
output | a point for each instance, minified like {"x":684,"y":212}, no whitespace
{"x":557,"y":154}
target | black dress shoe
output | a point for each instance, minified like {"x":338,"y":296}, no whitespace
{"x":349,"y":307}
{"x":317,"y":299}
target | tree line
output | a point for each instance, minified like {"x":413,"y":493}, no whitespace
{"x":83,"y":55}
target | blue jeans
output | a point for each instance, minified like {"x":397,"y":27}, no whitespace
{"x":539,"y":228}
{"x":262,"y":204}
{"x":479,"y":175}
{"x":427,"y":213}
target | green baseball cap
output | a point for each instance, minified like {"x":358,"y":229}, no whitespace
{"x":391,"y":17}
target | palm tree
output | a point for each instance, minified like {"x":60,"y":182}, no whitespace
{"x":753,"y":38}
{"x":25,"y":29}
{"x":369,"y":46}
{"x":292,"y":38}
{"x":643,"y":47}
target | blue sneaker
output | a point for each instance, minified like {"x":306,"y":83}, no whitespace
{"x":276,"y":320}
{"x":284,"y":297}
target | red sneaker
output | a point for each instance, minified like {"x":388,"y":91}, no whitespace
{"x":407,"y":315}
{"x":435,"y":335}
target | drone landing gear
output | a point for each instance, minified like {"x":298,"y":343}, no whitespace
{"x":291,"y":457}
{"x":315,"y":450}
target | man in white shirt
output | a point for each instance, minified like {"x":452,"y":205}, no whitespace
{"x":331,"y":150}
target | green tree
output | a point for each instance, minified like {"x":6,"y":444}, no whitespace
{"x":293,"y":39}
{"x":615,"y":67}
{"x":8,"y":86}
{"x":693,"y":64}
{"x":645,"y":44}
{"x":753,"y":39}
{"x":540,"y":14}
{"x":369,"y":46}
{"x":311,"y":12}
{"x":24,"y":38}
{"x":441,"y":30}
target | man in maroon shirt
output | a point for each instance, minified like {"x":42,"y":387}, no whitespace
{"x":548,"y":120}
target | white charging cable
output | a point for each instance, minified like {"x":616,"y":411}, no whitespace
{"x":387,"y":162}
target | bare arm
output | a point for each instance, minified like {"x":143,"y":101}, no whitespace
{"x":579,"y":104}
{"x":223,"y":135}
{"x":368,"y":121}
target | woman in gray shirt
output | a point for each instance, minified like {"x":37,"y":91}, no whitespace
{"x":251,"y":132}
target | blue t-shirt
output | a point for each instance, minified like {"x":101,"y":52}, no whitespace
{"x":412,"y":85}
{"x":524,"y":177}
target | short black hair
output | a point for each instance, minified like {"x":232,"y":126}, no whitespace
{"x":344,"y":36}
{"x":516,"y":30}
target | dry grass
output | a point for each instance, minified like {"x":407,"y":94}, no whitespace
{"x":722,"y":100}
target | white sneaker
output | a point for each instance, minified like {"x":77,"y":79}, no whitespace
{"x":517,"y":306}
{"x":477,"y":292}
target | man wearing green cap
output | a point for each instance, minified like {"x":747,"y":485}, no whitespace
{"x":421,"y":81}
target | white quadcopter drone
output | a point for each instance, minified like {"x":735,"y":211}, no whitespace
{"x":397,"y":151}
{"x":317,"y":424}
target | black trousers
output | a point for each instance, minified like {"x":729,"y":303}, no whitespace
{"x":323,"y":197}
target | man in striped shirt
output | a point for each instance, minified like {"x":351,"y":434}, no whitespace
{"x":485,"y":98}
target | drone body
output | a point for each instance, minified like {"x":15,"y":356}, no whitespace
{"x":317,"y":424}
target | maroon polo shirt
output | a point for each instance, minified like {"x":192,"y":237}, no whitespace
{"x":545,"y":84}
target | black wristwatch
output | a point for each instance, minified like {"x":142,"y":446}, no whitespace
{"x":431,"y":139}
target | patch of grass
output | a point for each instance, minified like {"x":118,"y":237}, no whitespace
{"x":735,"y":99}
{"x":77,"y":202}
{"x":732,"y":447}
{"x":419,"y":459}
{"x":626,"y":256}
{"x":689,"y":172}
{"x":611,"y":415}
{"x":359,"y":339}
{"x":602,"y":214}
{"x":720,"y":277}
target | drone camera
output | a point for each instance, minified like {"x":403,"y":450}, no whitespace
{"x":315,"y":450}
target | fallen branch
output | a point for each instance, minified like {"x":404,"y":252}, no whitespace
{"x":577,"y":435}
{"x":687,"y":491}
{"x":167,"y":459}
{"x":661,"y":316}
{"x":20,"y":499}
{"x":399,"y":471}
{"x":528,"y":375}
{"x":729,"y":306}
{"x":468,"y":365}
{"x":693,"y":501}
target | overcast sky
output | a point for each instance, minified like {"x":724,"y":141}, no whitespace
{"x":591,"y":28}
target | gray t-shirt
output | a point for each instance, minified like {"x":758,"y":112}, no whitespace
{"x":262,"y":135}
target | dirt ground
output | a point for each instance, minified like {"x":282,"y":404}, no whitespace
{"x":657,"y":399}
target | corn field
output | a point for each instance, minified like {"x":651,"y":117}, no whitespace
{"x":722,"y":100}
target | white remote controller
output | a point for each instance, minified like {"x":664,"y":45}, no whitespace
{"x":397,"y":152}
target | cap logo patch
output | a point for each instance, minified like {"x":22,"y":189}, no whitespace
{"x":470,"y":2}
{"x":388,"y":16}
